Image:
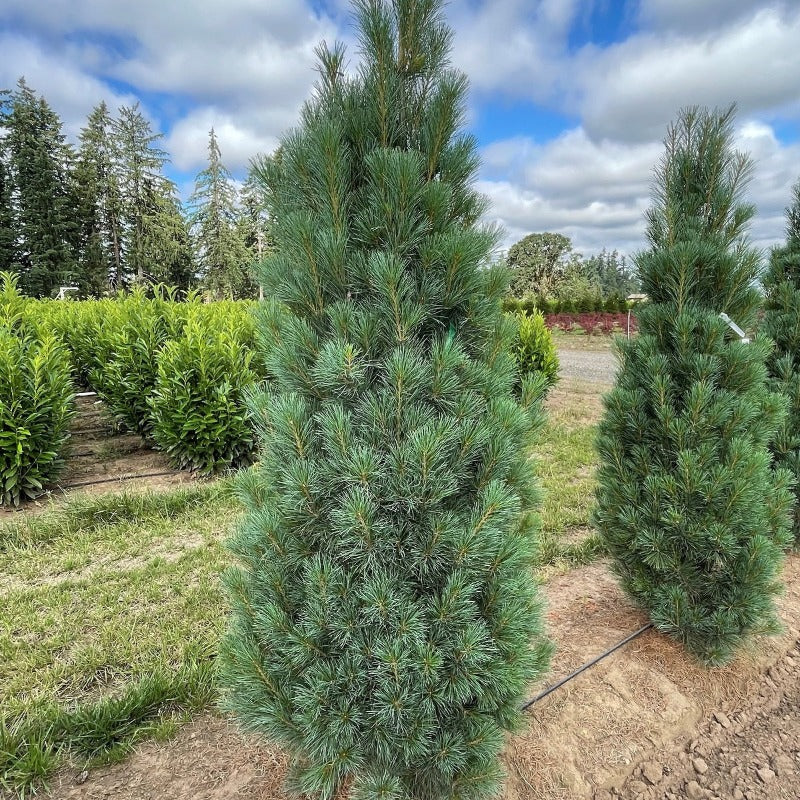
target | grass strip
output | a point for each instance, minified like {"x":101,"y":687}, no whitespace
{"x":86,"y":513}
{"x":33,"y":746}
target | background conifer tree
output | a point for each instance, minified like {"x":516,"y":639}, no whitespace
{"x":688,"y":505}
{"x":782,"y":325}
{"x":40,"y":166}
{"x":8,"y":225}
{"x":165,"y":247}
{"x":385,"y":622}
{"x":100,"y":235}
{"x":254,"y":223}
{"x":154,"y":232}
{"x":222,"y":256}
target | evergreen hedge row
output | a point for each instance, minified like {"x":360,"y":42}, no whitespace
{"x":173,"y":372}
{"x":197,"y":405}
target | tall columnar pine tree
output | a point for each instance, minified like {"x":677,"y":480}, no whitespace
{"x":100,"y":235}
{"x":41,"y":164}
{"x":688,"y":504}
{"x":385,"y":623}
{"x":782,"y":324}
{"x":222,"y":256}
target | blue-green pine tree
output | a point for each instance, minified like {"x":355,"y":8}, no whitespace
{"x":688,"y":504}
{"x":782,"y":324}
{"x":385,"y":620}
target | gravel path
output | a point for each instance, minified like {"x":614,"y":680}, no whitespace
{"x":586,"y":365}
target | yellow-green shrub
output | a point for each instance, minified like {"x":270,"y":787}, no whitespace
{"x":533,"y":348}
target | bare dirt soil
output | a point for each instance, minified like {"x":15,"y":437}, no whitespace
{"x":753,"y":752}
{"x":605,"y":734}
{"x":96,"y":452}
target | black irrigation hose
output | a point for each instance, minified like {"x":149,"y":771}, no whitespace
{"x":586,"y":666}
{"x":119,"y":478}
{"x":92,"y":431}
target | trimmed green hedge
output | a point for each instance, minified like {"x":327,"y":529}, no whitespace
{"x":574,"y":305}
{"x":36,"y":400}
{"x":197,"y":406}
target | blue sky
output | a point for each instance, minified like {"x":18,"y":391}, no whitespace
{"x":570,"y":98}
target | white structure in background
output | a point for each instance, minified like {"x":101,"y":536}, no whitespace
{"x":62,"y":291}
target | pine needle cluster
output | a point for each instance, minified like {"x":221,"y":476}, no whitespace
{"x":782,"y":325}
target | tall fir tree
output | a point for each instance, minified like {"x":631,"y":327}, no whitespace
{"x":152,"y":225}
{"x":40,"y":166}
{"x":8,"y":224}
{"x":100,"y":235}
{"x":222,"y":257}
{"x":688,"y":505}
{"x":255,"y":225}
{"x":166,"y":245}
{"x":385,"y":622}
{"x":782,"y":324}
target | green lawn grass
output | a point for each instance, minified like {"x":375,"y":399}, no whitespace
{"x":111,"y":607}
{"x":565,"y":465}
{"x":111,"y":610}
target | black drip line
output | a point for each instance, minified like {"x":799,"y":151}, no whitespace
{"x":586,"y":666}
{"x":120,"y":478}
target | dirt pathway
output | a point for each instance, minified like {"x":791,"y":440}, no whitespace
{"x":753,"y":752}
{"x":646,"y":707}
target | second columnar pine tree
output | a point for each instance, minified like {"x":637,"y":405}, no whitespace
{"x":688,"y":504}
{"x":385,"y":622}
{"x":782,"y":325}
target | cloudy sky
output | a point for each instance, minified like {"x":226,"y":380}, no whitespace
{"x":570,"y":98}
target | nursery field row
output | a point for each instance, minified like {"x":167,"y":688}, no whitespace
{"x":173,"y":373}
{"x":112,"y":607}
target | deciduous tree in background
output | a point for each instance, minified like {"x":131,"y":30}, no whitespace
{"x":538,"y":262}
{"x":385,"y":622}
{"x":688,"y":504}
{"x":782,"y":325}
